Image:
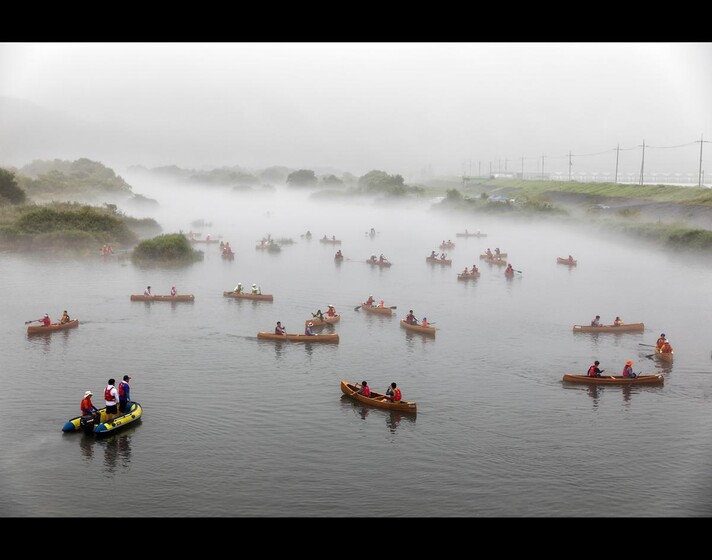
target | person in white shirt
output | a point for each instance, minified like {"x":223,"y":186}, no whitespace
{"x":111,"y":396}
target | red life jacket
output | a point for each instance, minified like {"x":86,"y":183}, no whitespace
{"x":396,"y":394}
{"x":108,"y":396}
{"x":122,"y":389}
{"x":592,"y":371}
{"x":366,"y":391}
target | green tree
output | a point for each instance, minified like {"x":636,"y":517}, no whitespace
{"x":331,"y":180}
{"x":380,"y":181}
{"x":453,"y":195}
{"x":9,"y":189}
{"x":302,"y":178}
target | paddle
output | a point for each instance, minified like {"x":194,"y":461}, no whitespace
{"x":34,"y":321}
{"x":357,"y":308}
{"x":651,"y":345}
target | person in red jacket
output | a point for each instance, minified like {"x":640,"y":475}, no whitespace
{"x":628,"y":370}
{"x":594,"y":370}
{"x":87,"y":406}
{"x":393,"y":393}
{"x":365,"y":390}
{"x":46,"y":321}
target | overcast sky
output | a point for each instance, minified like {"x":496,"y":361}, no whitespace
{"x":398,"y":107}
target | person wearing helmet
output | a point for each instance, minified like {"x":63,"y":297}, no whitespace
{"x":308,"y":329}
{"x":331,"y":312}
{"x":238,"y":288}
{"x":660,"y":341}
{"x":255,"y":289}
{"x":46,"y":321}
{"x":628,"y":370}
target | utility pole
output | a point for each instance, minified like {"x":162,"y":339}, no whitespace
{"x":702,"y":140}
{"x":490,"y":168}
{"x":570,"y":165}
{"x":618,"y":151}
{"x":642,"y":164}
{"x":522,"y":167}
{"x":479,"y":168}
{"x":542,"y":167}
{"x":505,"y":165}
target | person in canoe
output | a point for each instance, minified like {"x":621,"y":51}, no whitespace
{"x":147,"y":291}
{"x":339,"y":254}
{"x":381,"y":304}
{"x":465,"y":271}
{"x":628,"y":370}
{"x":365,"y":390}
{"x":65,"y":318}
{"x":489,"y":253}
{"x":424,"y":322}
{"x":666,"y":347}
{"x":433,"y":255}
{"x":410,"y":318}
{"x":594,"y":370}
{"x":124,"y":394}
{"x":474,"y":269}
{"x":382,"y":259}
{"x":442,"y":256}
{"x":238,"y":289}
{"x":279,"y":329}
{"x":596,"y":322}
{"x":370,"y":301}
{"x":46,"y":321}
{"x":256,"y":290}
{"x":617,"y":322}
{"x":660,"y":342}
{"x":331,"y":312}
{"x":87,"y":407}
{"x":173,"y":290}
{"x":319,"y":315}
{"x":111,"y":396}
{"x":308,"y":329}
{"x":509,"y":270}
{"x":571,"y":259}
{"x":393,"y":393}
{"x":497,"y":252}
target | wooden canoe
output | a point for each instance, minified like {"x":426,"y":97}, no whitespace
{"x":627,"y":327}
{"x":377,"y":399}
{"x":327,"y":321}
{"x":299,"y":337}
{"x":418,"y":328}
{"x":228,"y":256}
{"x":379,"y":263}
{"x":498,"y":262}
{"x":52,"y":327}
{"x":204,"y":240}
{"x":509,"y":273}
{"x":468,"y":276}
{"x":377,"y":310}
{"x":494,"y":256}
{"x":447,"y":245}
{"x":614,"y":379}
{"x":249,"y":295}
{"x":468,"y":234}
{"x":663,"y":356}
{"x":566,"y":261}
{"x":332,"y":241}
{"x":444,"y":262}
{"x":177,"y":297}
{"x":338,"y":258}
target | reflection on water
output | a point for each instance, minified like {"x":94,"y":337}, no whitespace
{"x":117,"y":450}
{"x":392,"y":418}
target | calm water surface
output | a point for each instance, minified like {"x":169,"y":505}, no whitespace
{"x":233,"y":426}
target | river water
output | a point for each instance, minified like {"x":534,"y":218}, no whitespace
{"x":235,"y":426}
